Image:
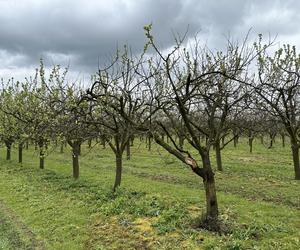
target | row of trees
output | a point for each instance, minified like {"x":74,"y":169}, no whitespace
{"x":189,"y":100}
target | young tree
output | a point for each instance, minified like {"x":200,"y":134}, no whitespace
{"x":114,"y":104}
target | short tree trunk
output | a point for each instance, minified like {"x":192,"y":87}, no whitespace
{"x":118,"y":171}
{"x":42,"y":161}
{"x":8,"y":144}
{"x":128,"y":153}
{"x":8,"y":152}
{"x":295,"y":152}
{"x":62,"y":147}
{"x":251,"y":144}
{"x":212,"y":211}
{"x":149,"y":143}
{"x":20,"y":152}
{"x":75,"y":159}
{"x":42,"y":154}
{"x":283,"y":140}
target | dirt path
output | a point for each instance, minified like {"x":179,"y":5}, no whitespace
{"x":22,"y":228}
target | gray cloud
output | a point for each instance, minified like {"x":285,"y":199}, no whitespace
{"x":83,"y":32}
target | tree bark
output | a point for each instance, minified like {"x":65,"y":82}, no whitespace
{"x":218,"y":155}
{"x":20,"y":152}
{"x":223,"y":141}
{"x":118,"y":170}
{"x":8,"y":150}
{"x":75,"y":158}
{"x":62,"y":147}
{"x":181,"y":141}
{"x":295,"y":151}
{"x":103,"y":142}
{"x":235,"y":140}
{"x":8,"y":144}
{"x":283,"y":139}
{"x":128,"y":153}
{"x":149,"y":142}
{"x":250,"y":140}
{"x":42,"y":154}
{"x":131,"y":141}
{"x":251,"y":144}
{"x":212,"y":211}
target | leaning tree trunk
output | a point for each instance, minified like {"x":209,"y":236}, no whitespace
{"x":212,"y":211}
{"x":20,"y":152}
{"x":218,"y":155}
{"x":295,"y":152}
{"x":118,"y":170}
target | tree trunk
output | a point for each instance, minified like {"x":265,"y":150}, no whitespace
{"x":103,"y":142}
{"x":118,"y":170}
{"x":131,"y":141}
{"x":271,"y":143}
{"x":295,"y":151}
{"x":79,"y":150}
{"x":128,"y":153}
{"x":210,"y":190}
{"x":235,"y":140}
{"x":250,"y":140}
{"x":42,"y":161}
{"x":181,"y":141}
{"x":42,"y":154}
{"x":218,"y":155}
{"x":20,"y":151}
{"x":149,"y":143}
{"x":8,"y":144}
{"x":223,"y":141}
{"x":89,"y":143}
{"x":75,"y":158}
{"x":62,"y":147}
{"x":283,"y":140}
{"x":262,"y":139}
{"x":8,"y":151}
{"x":251,"y":144}
{"x":27,"y":145}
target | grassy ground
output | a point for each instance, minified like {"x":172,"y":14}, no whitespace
{"x":157,"y":206}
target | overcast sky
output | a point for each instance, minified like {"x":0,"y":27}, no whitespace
{"x":83,"y":32}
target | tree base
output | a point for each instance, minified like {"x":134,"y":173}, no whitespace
{"x":213,"y":224}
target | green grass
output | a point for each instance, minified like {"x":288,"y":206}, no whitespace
{"x":157,"y":206}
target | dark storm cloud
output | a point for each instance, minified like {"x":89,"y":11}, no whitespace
{"x":82,"y":32}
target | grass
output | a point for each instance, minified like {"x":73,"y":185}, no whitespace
{"x":157,"y":206}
